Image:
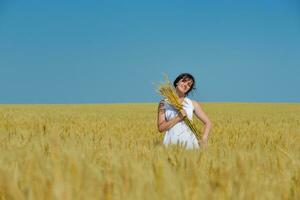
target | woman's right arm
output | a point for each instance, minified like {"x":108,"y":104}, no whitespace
{"x":162,"y":124}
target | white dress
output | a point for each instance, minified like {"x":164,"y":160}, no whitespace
{"x":180,"y":133}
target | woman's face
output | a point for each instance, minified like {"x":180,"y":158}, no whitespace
{"x":184,"y":85}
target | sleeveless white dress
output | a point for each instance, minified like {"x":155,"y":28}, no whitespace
{"x":180,"y":133}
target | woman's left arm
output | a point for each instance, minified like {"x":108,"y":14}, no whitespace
{"x":204,"y":118}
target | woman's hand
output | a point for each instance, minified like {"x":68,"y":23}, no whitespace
{"x":182,"y":114}
{"x":202,"y":142}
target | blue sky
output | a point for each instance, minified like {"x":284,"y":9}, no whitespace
{"x":112,"y":51}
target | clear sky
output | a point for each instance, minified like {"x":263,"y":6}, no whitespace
{"x":113,"y":51}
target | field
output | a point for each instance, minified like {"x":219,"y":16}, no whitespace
{"x":115,"y":152}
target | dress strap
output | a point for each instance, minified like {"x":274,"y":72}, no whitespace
{"x":189,"y":103}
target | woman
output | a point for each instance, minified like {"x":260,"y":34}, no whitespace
{"x":171,"y":121}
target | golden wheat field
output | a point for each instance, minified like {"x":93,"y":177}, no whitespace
{"x":115,"y":152}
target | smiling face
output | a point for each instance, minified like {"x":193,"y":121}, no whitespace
{"x":184,"y":85}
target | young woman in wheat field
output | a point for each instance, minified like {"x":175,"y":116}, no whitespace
{"x":171,"y":122}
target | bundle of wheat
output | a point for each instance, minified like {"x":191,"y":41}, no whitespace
{"x":168,"y":91}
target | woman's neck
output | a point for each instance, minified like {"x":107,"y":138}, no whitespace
{"x":180,"y":95}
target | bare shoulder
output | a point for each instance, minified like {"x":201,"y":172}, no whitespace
{"x":195,"y":103}
{"x":161,"y":102}
{"x":161,"y":105}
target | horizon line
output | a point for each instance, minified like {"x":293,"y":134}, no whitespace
{"x":120,"y":103}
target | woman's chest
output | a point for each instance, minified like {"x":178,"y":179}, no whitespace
{"x":170,"y":112}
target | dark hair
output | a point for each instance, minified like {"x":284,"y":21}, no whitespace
{"x":185,"y":76}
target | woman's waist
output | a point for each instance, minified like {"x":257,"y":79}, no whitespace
{"x":170,"y":116}
{"x":180,"y":127}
